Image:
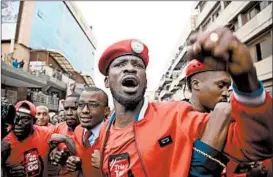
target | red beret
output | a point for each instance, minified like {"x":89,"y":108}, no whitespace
{"x":124,"y":47}
{"x":196,"y":66}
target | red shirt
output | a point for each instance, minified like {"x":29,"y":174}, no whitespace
{"x":31,"y":152}
{"x":121,"y":157}
{"x":62,"y":128}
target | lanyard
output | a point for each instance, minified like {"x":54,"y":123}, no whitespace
{"x":112,"y":118}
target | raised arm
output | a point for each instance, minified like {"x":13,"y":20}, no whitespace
{"x":250,"y":137}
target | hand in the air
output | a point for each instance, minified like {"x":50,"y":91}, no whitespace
{"x":225,"y":49}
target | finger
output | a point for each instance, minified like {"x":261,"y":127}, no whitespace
{"x":95,"y":165}
{"x":58,"y":156}
{"x":18,"y":172}
{"x":222,"y":50}
{"x":202,"y":37}
{"x":94,"y":155}
{"x":94,"y":159}
{"x":18,"y":168}
{"x":70,"y":163}
{"x":71,"y":167}
{"x":196,"y":48}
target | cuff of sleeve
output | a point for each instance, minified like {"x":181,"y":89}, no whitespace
{"x":206,"y":162}
{"x":255,"y":98}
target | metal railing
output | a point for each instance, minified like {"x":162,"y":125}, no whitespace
{"x":39,"y":98}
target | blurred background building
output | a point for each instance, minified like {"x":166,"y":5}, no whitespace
{"x":47,"y":51}
{"x":251,"y":22}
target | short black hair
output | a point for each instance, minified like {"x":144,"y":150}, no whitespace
{"x":96,"y":89}
{"x":188,"y":83}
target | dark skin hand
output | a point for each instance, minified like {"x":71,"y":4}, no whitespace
{"x":56,"y":156}
{"x":217,"y":127}
{"x":18,"y":171}
{"x":73,"y":163}
{"x":225,"y":49}
{"x":5,"y":150}
{"x":95,"y":160}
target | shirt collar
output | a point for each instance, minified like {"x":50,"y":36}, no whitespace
{"x":143,"y":109}
{"x":95,"y":130}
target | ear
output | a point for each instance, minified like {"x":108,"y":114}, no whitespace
{"x":106,"y":81}
{"x":107,"y":111}
{"x":195,"y":84}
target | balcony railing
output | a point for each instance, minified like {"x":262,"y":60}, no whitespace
{"x":39,"y":98}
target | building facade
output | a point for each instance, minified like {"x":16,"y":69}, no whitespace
{"x":251,"y":22}
{"x":56,"y":46}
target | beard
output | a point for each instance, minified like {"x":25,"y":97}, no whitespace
{"x":128,"y":103}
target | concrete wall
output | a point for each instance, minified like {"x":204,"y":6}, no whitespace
{"x":26,"y":22}
{"x":21,"y":93}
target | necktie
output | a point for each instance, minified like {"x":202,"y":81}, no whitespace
{"x":86,"y":142}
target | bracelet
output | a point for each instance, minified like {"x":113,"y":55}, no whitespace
{"x":210,"y":157}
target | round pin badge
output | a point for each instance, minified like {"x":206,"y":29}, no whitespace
{"x":137,"y":46}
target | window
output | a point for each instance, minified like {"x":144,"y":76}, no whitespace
{"x":264,"y":4}
{"x":253,"y":11}
{"x":258,"y":52}
{"x":261,"y":47}
{"x":236,"y":25}
{"x":266,"y":46}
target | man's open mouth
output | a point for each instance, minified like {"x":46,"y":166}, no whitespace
{"x":130,"y":84}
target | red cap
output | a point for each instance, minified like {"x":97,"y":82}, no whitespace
{"x":26,"y":107}
{"x":124,"y":47}
{"x":196,"y":66}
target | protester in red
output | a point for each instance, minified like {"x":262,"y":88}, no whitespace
{"x":141,"y":134}
{"x":209,"y":87}
{"x":42,"y":116}
{"x":29,"y":144}
{"x":92,"y":110}
{"x":66,"y":128}
{"x":71,"y":119}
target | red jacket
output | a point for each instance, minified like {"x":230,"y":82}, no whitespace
{"x":85,"y":154}
{"x":246,"y":137}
